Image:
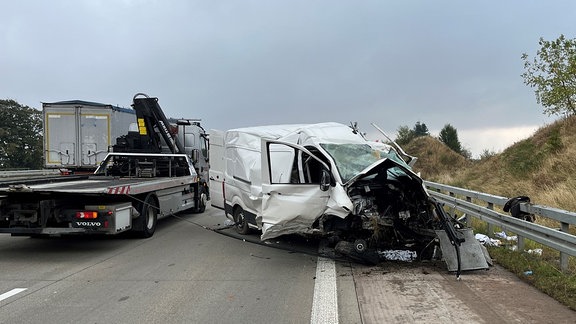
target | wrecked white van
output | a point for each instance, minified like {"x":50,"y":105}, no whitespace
{"x":325,"y":179}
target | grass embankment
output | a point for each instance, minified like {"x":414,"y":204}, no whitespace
{"x":542,"y":167}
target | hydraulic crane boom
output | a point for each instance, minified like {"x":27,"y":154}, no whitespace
{"x":151,"y":121}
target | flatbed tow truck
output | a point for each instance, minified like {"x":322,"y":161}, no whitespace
{"x":147,"y":176}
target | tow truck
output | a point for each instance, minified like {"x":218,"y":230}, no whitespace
{"x":146,"y":176}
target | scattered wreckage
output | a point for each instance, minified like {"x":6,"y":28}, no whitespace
{"x":327,"y":179}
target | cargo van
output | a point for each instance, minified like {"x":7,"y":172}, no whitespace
{"x":324,"y":179}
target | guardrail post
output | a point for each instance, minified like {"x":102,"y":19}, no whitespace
{"x":564,"y":227}
{"x":490,"y":225}
{"x":520,"y":243}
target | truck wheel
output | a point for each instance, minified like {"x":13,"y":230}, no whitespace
{"x":201,"y":201}
{"x":145,"y":224}
{"x":240,"y":221}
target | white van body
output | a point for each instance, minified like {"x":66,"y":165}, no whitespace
{"x":325,"y":179}
{"x":263,"y":171}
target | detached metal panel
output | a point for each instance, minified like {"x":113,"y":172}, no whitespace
{"x":77,"y":134}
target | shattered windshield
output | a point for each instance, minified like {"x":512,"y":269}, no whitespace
{"x":351,"y":159}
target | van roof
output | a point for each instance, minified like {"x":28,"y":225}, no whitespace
{"x":328,"y":131}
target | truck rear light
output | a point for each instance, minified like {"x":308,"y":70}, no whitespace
{"x":86,"y":214}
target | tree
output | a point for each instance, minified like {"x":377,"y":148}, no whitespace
{"x":20,"y":136}
{"x":486,"y":154}
{"x":404,"y":136}
{"x":553,"y":75}
{"x":420,"y":129}
{"x":449,"y":136}
{"x":466,"y":153}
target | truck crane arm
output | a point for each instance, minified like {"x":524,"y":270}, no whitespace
{"x":150,"y":117}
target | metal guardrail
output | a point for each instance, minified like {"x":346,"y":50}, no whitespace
{"x":27,"y":173}
{"x":557,"y":239}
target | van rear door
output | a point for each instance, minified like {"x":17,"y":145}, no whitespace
{"x":291,"y":196}
{"x":217,"y":165}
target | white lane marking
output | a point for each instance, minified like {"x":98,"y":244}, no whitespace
{"x":325,"y":302}
{"x":11,"y":293}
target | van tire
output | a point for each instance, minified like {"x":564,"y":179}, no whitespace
{"x":240,"y":222}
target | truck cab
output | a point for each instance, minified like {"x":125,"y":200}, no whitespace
{"x":196,"y":143}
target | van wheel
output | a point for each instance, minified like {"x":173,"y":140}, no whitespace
{"x":241,"y":224}
{"x":360,"y":246}
{"x":145,"y":224}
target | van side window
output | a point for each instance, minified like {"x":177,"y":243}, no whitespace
{"x":312,"y":169}
{"x":292,"y":166}
{"x":295,"y":173}
{"x":282,"y":160}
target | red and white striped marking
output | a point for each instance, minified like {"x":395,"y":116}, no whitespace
{"x":121,"y":190}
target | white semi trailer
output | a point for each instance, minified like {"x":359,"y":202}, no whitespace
{"x":77,"y":134}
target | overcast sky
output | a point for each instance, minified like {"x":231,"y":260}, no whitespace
{"x":246,"y":62}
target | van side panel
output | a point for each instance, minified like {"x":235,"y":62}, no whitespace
{"x":243,"y":184}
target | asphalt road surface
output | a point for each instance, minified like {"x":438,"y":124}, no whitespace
{"x":196,"y":270}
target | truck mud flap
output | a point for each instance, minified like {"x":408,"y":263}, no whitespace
{"x":472,"y":254}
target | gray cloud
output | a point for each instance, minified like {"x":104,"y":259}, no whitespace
{"x":244,"y":63}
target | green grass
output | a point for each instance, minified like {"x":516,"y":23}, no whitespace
{"x":524,"y":159}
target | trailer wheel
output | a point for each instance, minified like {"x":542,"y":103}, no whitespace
{"x":241,"y":224}
{"x":145,"y":224}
